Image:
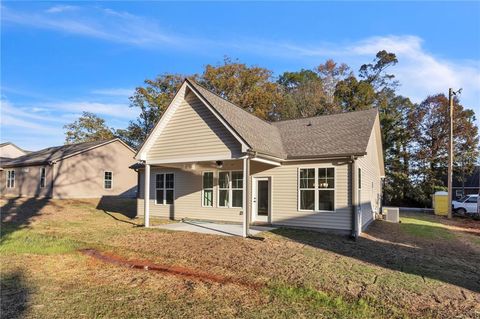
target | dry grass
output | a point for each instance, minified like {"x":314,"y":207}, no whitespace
{"x":424,"y":267}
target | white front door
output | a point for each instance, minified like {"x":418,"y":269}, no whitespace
{"x":261,"y":200}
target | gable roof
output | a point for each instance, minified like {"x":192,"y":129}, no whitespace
{"x":327,"y":135}
{"x":10,"y":143}
{"x":335,"y":135}
{"x":260,"y":135}
{"x":56,"y":153}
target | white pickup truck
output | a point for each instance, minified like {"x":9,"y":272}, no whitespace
{"x":468,"y":204}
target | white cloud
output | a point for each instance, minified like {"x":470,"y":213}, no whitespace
{"x":61,"y":8}
{"x":121,"y":111}
{"x":96,"y":22}
{"x":114,"y":92}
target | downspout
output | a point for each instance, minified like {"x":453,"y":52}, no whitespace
{"x":353,"y":182}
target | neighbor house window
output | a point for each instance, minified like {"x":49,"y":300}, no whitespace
{"x":230,"y":189}
{"x":11,"y":179}
{"x":316,"y":189}
{"x":107,"y":182}
{"x":207,"y":194}
{"x":42,"y":177}
{"x":164,"y":186}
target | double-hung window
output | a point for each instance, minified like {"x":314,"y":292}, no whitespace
{"x":164,"y":188}
{"x":11,"y":179}
{"x":207,"y":193}
{"x":230,"y":189}
{"x":316,"y":189}
{"x":42,"y":177}
{"x":108,"y":180}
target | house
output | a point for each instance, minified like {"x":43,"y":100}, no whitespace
{"x":10,"y":150}
{"x":83,"y":170}
{"x":209,"y":159}
{"x":467,"y":185}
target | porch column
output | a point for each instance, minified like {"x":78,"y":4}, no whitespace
{"x":246,"y":210}
{"x":146,"y":196}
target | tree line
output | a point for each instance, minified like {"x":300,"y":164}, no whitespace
{"x":415,"y":135}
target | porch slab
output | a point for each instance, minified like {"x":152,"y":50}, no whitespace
{"x":211,"y":228}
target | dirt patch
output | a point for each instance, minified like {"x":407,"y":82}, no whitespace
{"x":173,"y":270}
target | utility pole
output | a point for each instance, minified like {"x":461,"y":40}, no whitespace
{"x":450,"y":151}
{"x":451,"y":93}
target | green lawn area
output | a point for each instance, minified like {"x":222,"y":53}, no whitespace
{"x":419,"y":268}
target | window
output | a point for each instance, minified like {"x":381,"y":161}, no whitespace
{"x":237,"y":189}
{"x":307,"y":189}
{"x":223,"y":189}
{"x":42,"y":177}
{"x":11,"y":179}
{"x":164,"y":188}
{"x":317,"y":189}
{"x":107,"y":180}
{"x":207,"y":194}
{"x":471,"y":199}
{"x":230,"y":189}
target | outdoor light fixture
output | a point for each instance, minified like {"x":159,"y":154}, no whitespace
{"x":219,"y":164}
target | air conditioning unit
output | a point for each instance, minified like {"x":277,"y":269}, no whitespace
{"x":392,"y":214}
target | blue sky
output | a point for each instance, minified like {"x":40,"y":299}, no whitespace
{"x":61,"y":58}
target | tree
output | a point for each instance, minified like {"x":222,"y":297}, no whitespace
{"x":354,"y":95}
{"x":87,"y":128}
{"x":431,"y":142}
{"x":330,"y":73}
{"x":152,"y":101}
{"x":250,"y":87}
{"x":303,"y":95}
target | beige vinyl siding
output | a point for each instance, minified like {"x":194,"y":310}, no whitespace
{"x":188,"y":194}
{"x":188,"y":187}
{"x":370,"y":193}
{"x":27,"y":182}
{"x":10,"y":151}
{"x":82,"y":175}
{"x":285,"y":197}
{"x":194,"y":132}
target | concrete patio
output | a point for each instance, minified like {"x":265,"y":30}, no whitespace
{"x":204,"y":227}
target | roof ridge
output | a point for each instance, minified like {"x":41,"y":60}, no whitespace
{"x":326,"y":115}
{"x":238,"y":106}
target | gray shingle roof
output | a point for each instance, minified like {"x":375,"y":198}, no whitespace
{"x":262,"y":136}
{"x":320,"y":136}
{"x":327,"y":135}
{"x":50,"y":154}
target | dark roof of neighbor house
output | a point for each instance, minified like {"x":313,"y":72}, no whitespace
{"x":52,"y":154}
{"x":321,"y":136}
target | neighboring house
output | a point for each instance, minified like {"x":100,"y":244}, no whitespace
{"x":207,"y":157}
{"x":83,"y":170}
{"x":469,"y":185}
{"x":10,"y":150}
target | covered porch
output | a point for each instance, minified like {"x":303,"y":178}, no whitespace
{"x":230,"y":190}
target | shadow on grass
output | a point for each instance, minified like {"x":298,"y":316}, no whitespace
{"x":440,"y":256}
{"x":18,"y":212}
{"x":14,"y":295}
{"x":115,"y":204}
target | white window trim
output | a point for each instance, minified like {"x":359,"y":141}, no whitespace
{"x":213,"y":189}
{"x":316,"y":189}
{"x":104,"y":180}
{"x":9,"y":174}
{"x":230,"y":188}
{"x":164,"y":202}
{"x":43,"y":169}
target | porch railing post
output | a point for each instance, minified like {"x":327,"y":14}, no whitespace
{"x":246,"y":174}
{"x":146,"y":196}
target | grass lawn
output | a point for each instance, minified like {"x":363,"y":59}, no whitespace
{"x":424,"y":267}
